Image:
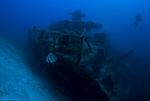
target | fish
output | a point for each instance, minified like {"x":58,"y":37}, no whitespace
{"x":51,"y":58}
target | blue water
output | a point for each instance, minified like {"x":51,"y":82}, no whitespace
{"x":117,"y":17}
{"x":17,"y":16}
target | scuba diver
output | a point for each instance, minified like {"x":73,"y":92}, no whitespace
{"x":138,"y":19}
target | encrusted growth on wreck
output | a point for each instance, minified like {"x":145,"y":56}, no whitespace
{"x":82,"y":66}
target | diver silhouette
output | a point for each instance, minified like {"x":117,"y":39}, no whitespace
{"x":138,"y":19}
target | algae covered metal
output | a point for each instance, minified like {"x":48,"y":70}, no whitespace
{"x":78,"y":58}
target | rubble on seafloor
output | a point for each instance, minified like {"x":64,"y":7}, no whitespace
{"x":17,"y":82}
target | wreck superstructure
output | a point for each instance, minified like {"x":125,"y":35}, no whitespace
{"x":78,"y":63}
